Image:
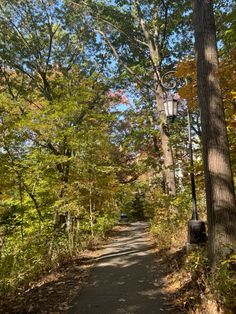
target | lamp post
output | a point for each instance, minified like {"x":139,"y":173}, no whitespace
{"x":196,"y":227}
{"x":192,"y":177}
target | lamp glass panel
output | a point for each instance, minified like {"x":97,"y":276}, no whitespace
{"x":175,"y":108}
{"x":169,"y":107}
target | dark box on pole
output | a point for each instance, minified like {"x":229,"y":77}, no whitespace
{"x":196,"y":231}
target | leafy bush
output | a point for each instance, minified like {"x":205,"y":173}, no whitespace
{"x":224,"y":281}
{"x":22,"y":261}
{"x":104,"y":223}
{"x":170,"y":214}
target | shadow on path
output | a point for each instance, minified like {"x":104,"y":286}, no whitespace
{"x":126,"y":278}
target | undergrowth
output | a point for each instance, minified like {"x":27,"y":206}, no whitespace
{"x":193,"y":285}
{"x":26,"y":260}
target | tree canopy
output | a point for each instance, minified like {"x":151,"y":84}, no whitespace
{"x":84,"y":136}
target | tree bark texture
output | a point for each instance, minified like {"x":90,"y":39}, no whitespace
{"x":220,"y":195}
{"x":165,"y":145}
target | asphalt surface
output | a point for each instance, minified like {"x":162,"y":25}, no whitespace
{"x":125,"y":279}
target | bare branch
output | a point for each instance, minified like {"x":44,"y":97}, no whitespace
{"x":20,"y":178}
{"x":163,"y":40}
{"x":115,"y":53}
{"x":153,"y":47}
{"x":10,"y":90}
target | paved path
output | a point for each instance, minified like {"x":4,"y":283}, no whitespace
{"x":125,"y":279}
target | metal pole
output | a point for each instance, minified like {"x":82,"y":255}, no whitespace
{"x":192,"y":178}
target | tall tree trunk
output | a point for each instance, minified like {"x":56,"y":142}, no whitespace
{"x":91,"y":211}
{"x":161,"y":169}
{"x":151,"y":39}
{"x":70,"y":232}
{"x":165,"y":145}
{"x":220,"y":195}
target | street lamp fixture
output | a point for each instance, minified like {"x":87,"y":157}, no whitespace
{"x":170,"y":105}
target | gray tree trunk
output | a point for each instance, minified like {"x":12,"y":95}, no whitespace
{"x":220,"y":195}
{"x":151,"y":39}
{"x":167,"y":153}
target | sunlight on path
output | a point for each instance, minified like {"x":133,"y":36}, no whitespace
{"x":125,"y":279}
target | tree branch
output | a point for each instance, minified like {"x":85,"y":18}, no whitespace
{"x":115,"y":53}
{"x":163,"y":40}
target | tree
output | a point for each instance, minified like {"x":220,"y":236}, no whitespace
{"x":137,"y":34}
{"x":59,"y":178}
{"x":220,"y":195}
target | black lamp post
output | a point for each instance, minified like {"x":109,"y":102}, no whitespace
{"x":196,"y":227}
